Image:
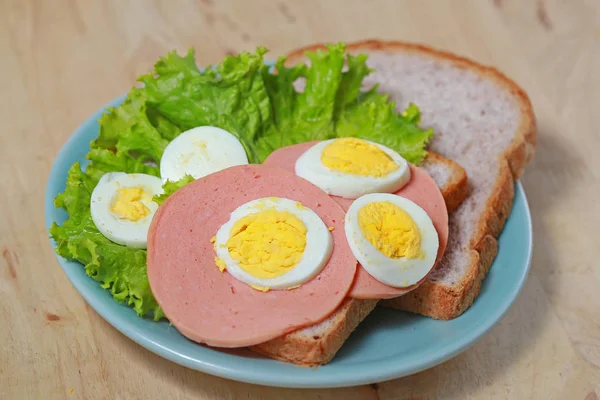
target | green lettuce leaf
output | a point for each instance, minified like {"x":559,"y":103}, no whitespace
{"x":170,"y":187}
{"x":119,"y":119}
{"x":165,"y":128}
{"x":332,"y":105}
{"x":352,"y":80}
{"x":374,"y":118}
{"x":142,"y":139}
{"x":302,"y":116}
{"x":104,"y":160}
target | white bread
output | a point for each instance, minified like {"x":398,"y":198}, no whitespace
{"x":316,"y":345}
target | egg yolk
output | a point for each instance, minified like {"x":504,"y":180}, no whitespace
{"x":390,"y":230}
{"x":358,"y":157}
{"x":128,"y":205}
{"x":267,"y":244}
{"x":220,"y":264}
{"x":260,"y":288}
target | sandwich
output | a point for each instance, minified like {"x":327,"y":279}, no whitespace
{"x":251,"y":212}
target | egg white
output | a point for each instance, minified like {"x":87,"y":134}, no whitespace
{"x":350,"y":186}
{"x":123,"y":231}
{"x":396,"y":272}
{"x":201,"y":151}
{"x":319,"y":244}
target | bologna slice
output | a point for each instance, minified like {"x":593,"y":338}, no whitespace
{"x":212,"y":307}
{"x":421,"y":189}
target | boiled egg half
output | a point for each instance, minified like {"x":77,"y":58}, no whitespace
{"x":273,"y":243}
{"x":122,"y":207}
{"x":392,"y":237}
{"x":351,"y":167}
{"x":201,"y":151}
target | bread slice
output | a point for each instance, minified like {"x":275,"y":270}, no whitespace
{"x":483,"y":121}
{"x":317,"y":344}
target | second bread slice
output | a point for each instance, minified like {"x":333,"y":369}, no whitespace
{"x":318,"y":344}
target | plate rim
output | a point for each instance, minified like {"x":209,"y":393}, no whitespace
{"x":366,"y":376}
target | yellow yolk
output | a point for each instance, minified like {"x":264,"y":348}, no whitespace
{"x":390,"y":230}
{"x":128,"y":203}
{"x":358,"y":157}
{"x":260,"y":288}
{"x":267,"y":244}
{"x":220,"y":264}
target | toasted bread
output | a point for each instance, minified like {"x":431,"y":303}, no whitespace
{"x":317,"y":344}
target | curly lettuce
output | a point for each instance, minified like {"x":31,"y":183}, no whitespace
{"x":170,"y":187}
{"x":332,"y":105}
{"x":264,"y":109}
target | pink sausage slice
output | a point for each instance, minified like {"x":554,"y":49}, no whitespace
{"x":211,"y":307}
{"x":421,"y":189}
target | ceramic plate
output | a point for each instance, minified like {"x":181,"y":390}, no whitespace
{"x":388,"y":344}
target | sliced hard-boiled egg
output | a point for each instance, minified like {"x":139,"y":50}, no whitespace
{"x":350,"y":167}
{"x":201,"y":151}
{"x":273,"y":243}
{"x":393,"y":238}
{"x":122,"y":207}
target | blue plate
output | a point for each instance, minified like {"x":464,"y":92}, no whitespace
{"x":388,"y":344}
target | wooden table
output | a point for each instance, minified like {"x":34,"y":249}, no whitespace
{"x":61,"y":60}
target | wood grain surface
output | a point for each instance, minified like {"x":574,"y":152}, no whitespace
{"x":61,"y":60}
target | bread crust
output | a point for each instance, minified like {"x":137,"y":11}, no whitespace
{"x":456,"y":190}
{"x":438,"y":300}
{"x":306,"y":350}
